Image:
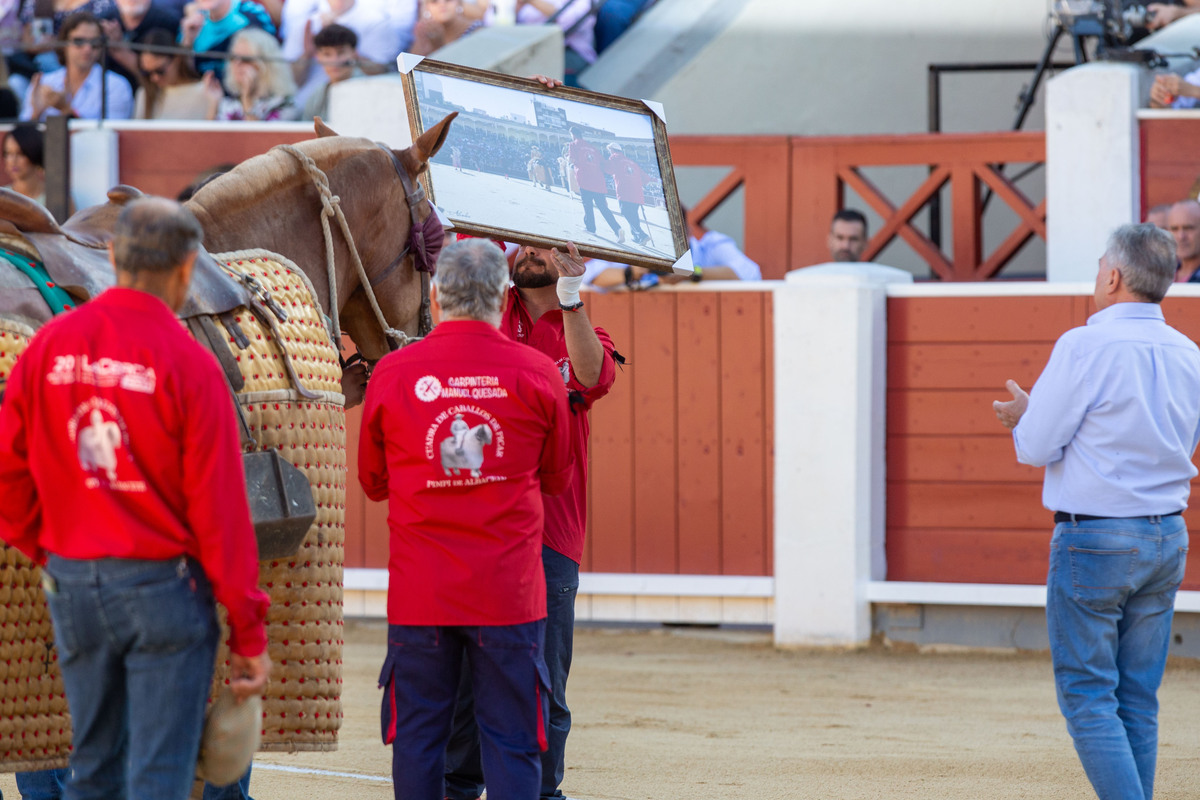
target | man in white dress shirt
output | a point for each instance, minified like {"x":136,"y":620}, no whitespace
{"x":1115,"y":418}
{"x":80,"y":88}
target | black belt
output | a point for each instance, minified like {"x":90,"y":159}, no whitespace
{"x":1066,"y":516}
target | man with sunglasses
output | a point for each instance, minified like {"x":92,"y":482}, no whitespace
{"x":81,"y":88}
{"x":1115,"y":418}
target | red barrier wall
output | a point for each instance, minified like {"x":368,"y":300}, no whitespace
{"x":681,"y":449}
{"x":959,"y":506}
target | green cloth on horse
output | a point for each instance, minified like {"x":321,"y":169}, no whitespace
{"x":55,"y":297}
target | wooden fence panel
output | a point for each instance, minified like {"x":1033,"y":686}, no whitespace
{"x":959,"y":507}
{"x":698,"y":351}
{"x":612,"y":488}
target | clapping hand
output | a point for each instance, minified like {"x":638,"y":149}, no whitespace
{"x":1009,"y":412}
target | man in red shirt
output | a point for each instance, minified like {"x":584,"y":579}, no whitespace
{"x":544,"y":311}
{"x":593,"y":188}
{"x":120,"y":472}
{"x":629,"y":178}
{"x":462,"y":433}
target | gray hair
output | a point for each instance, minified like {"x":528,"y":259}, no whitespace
{"x":153,"y":234}
{"x":472,"y":279}
{"x":1145,"y":255}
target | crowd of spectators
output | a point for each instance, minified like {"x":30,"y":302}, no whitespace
{"x":118,"y":58}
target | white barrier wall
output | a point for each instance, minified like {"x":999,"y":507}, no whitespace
{"x":1093,"y":167}
{"x":830,"y":394}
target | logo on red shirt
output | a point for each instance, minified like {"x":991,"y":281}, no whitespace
{"x":102,"y":442}
{"x":471,"y":431}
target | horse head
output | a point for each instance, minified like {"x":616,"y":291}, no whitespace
{"x":409,"y":245}
{"x":279,"y":201}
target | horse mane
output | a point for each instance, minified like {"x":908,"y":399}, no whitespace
{"x":248,"y":182}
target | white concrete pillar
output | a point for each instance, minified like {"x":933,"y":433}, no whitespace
{"x":830,"y":395}
{"x":1093,"y":168}
{"x":371,"y":107}
{"x":94,"y":163}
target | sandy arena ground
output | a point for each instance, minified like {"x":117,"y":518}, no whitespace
{"x":700,"y":713}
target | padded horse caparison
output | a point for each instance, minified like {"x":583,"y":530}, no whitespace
{"x":76,"y":257}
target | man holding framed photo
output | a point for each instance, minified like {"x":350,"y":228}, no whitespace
{"x":544,"y":310}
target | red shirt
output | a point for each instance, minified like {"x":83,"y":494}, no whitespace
{"x":589,"y":166}
{"x":117,"y":440}
{"x":461,"y":432}
{"x":566,"y":514}
{"x":629,"y":178}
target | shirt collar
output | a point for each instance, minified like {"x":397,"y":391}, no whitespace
{"x":134,"y":300}
{"x":470,"y":326}
{"x":1127,"y":311}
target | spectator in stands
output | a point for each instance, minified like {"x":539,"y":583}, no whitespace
{"x":1157,"y":216}
{"x":715,"y":257}
{"x":1183,"y":221}
{"x":444,"y":21}
{"x":338,"y":56}
{"x":847,"y":236}
{"x":135,"y":19}
{"x":170,"y":87}
{"x":210,"y":25}
{"x":258,"y":83}
{"x":1163,"y":14}
{"x":384,"y":29}
{"x":578,"y":24}
{"x":24,"y":149}
{"x":80,"y":88}
{"x":1174,"y":91}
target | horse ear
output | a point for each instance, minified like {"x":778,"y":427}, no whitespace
{"x":323,"y":130}
{"x":429,"y":142}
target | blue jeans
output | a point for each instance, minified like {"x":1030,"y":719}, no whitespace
{"x":234,"y":791}
{"x":136,"y":643}
{"x":42,"y":784}
{"x":420,"y":680}
{"x":464,"y":775}
{"x":1110,"y":599}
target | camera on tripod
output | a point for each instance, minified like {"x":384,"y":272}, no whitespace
{"x":1111,"y":22}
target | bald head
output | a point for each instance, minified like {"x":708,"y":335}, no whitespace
{"x":1183,"y":221}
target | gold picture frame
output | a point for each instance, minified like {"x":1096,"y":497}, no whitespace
{"x":524,"y":163}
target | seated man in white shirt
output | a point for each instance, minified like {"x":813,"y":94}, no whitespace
{"x":715,"y":257}
{"x":80,"y":88}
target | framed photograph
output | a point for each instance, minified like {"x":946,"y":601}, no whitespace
{"x":540,"y":166}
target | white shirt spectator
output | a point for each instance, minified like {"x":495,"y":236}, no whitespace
{"x":711,"y":250}
{"x":86,"y":102}
{"x":384,"y":29}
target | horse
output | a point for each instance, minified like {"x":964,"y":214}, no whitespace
{"x":275,"y":202}
{"x":469,"y":454}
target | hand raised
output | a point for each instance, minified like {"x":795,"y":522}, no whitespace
{"x":1009,"y":412}
{"x":569,"y":264}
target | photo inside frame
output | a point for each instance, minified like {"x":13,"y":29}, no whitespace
{"x":552,"y":167}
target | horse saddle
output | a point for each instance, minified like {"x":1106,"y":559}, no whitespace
{"x":76,"y":257}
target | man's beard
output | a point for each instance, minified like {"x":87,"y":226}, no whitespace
{"x":844,"y":255}
{"x":526,"y":279}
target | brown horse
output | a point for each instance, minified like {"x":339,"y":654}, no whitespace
{"x":272,"y":202}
